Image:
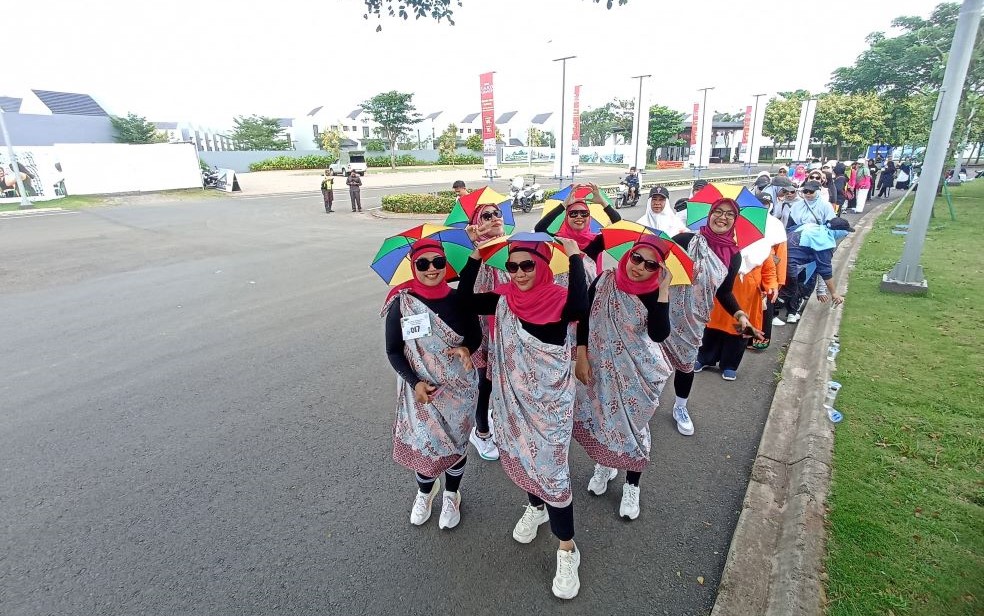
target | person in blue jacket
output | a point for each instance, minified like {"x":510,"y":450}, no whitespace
{"x":809,"y":257}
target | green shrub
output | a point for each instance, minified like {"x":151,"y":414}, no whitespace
{"x":418,"y":204}
{"x":460,"y":159}
{"x":407,"y":160}
{"x":375,"y":145}
{"x":447,"y":193}
{"x":377,"y":161}
{"x":282,"y":163}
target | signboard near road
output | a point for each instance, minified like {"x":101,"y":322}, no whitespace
{"x":227,"y":181}
{"x":488,"y":120}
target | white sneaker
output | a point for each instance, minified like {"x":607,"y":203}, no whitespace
{"x":566,"y":583}
{"x":777,"y":322}
{"x":450,"y":510}
{"x":793,"y":318}
{"x":682,"y":417}
{"x":421,"y":511}
{"x":525,"y":530}
{"x":599,"y":481}
{"x":630,"y":502}
{"x":484,"y":446}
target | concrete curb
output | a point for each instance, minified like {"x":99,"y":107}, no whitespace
{"x":775,"y":562}
{"x":28,"y":212}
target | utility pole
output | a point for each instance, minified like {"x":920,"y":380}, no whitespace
{"x":563,"y":97}
{"x":907,"y":275}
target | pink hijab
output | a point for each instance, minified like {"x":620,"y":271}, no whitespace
{"x":582,"y":237}
{"x":414,"y":285}
{"x":543,"y":302}
{"x":799,"y":176}
{"x":626,"y":284}
{"x":476,"y":219}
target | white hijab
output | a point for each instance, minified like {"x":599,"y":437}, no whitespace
{"x":666,"y":221}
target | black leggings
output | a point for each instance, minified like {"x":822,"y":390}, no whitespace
{"x":632,"y":477}
{"x":718,"y":346}
{"x":767,"y":316}
{"x":482,"y":408}
{"x":452,"y":478}
{"x":683,"y":382}
{"x":561,"y":518}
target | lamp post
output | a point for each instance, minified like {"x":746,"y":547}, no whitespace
{"x":703,"y":127}
{"x":637,"y":138}
{"x":15,"y":169}
{"x":563,"y":97}
{"x":751,"y":143}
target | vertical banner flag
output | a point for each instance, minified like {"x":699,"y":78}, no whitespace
{"x":804,"y":132}
{"x":748,"y":125}
{"x":693,"y":125}
{"x":488,"y":120}
{"x":576,"y":132}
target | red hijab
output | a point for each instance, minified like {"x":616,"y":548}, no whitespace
{"x":476,"y":219}
{"x":543,"y":302}
{"x":723,"y":245}
{"x":582,"y":237}
{"x":414,"y":285}
{"x":626,"y":284}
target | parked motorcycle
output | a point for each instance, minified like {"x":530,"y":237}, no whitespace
{"x":524,"y":195}
{"x":210,"y":178}
{"x":625,"y":196}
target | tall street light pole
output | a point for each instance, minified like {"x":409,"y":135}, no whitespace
{"x":703,"y":127}
{"x":638,"y":134}
{"x":15,"y":169}
{"x":563,"y":98}
{"x":751,"y":142}
{"x":907,"y":276}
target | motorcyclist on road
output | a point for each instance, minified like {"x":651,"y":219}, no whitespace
{"x":632,"y":181}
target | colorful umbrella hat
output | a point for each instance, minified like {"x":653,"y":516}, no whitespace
{"x":750,"y":224}
{"x":496,"y":251}
{"x":392,"y":262}
{"x":599,"y":218}
{"x":619,"y":237}
{"x":465,"y":207}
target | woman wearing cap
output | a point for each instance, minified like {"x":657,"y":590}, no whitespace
{"x":629,"y":317}
{"x":657,"y":215}
{"x":485,"y":225}
{"x":577,"y":227}
{"x":429,"y":341}
{"x":810,"y":256}
{"x":811,"y":208}
{"x":533,"y":388}
{"x":724,"y":342}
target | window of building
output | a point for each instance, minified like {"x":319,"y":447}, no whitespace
{"x":461,"y":131}
{"x":365,"y":132}
{"x":345,"y":128}
{"x":334,"y":127}
{"x":317,"y":133}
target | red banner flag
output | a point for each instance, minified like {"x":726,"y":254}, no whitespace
{"x":576,"y":134}
{"x":748,"y":125}
{"x":488,"y":107}
{"x":693,"y":125}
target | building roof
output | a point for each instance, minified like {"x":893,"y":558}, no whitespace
{"x":285,"y":122}
{"x":315,"y":110}
{"x":515,"y":142}
{"x":355,"y":113}
{"x":166,"y":125}
{"x":69,"y":103}
{"x":433,"y":116}
{"x":348,"y":143}
{"x":540,"y":118}
{"x":10,"y":104}
{"x":468,"y":119}
{"x":504,"y":118}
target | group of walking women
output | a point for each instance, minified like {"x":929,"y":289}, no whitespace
{"x":584,"y":355}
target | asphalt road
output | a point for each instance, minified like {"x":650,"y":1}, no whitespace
{"x":196,"y":415}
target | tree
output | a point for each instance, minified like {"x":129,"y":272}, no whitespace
{"x":850,"y":119}
{"x":136,"y":129}
{"x":434,"y":9}
{"x":447,"y":143}
{"x":664,"y":127}
{"x":782,"y":116}
{"x":475,"y":143}
{"x":598,"y":124}
{"x":331,"y":142}
{"x":536,"y":138}
{"x":259,"y":133}
{"x":374,"y":145}
{"x":395,"y":114}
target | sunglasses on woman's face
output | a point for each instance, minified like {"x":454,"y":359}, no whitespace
{"x":423,"y":264}
{"x":809,"y":192}
{"x":579,"y":213}
{"x":638,"y":259}
{"x":527,"y":266}
{"x":489,"y":215}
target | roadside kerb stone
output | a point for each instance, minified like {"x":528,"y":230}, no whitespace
{"x":775,"y":562}
{"x":28,"y":212}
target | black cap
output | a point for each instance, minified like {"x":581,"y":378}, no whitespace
{"x":811,"y":185}
{"x":700,"y":184}
{"x":765,"y":198}
{"x":659,"y":191}
{"x":680,"y":205}
{"x":762,"y":181}
{"x":839,"y":224}
{"x":781,"y":181}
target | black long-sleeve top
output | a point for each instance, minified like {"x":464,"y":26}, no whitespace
{"x":724,"y":293}
{"x":657,"y":321}
{"x":575,"y":308}
{"x":596,"y":246}
{"x":449,"y":309}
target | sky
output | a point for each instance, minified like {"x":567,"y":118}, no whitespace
{"x":205,"y":62}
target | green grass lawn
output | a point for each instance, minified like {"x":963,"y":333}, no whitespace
{"x":906,"y":519}
{"x":74,"y":202}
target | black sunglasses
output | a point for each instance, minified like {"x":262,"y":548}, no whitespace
{"x":579,"y":213}
{"x":489,"y":215}
{"x":423,"y":264}
{"x":527,"y":266}
{"x":809,"y":192}
{"x":638,"y":259}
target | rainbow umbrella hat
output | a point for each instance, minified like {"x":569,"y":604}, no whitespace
{"x":599,"y":218}
{"x":496,"y":251}
{"x":465,"y":207}
{"x":619,"y":237}
{"x":750,"y":223}
{"x":392,"y":261}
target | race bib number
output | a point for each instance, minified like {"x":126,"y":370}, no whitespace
{"x":416,"y":326}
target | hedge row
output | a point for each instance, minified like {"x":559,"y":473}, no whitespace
{"x":315,"y":161}
{"x":419,"y":203}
